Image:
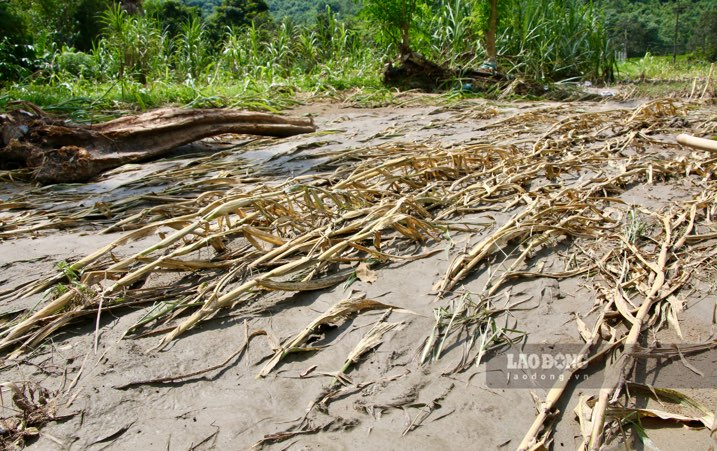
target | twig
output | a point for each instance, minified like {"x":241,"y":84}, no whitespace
{"x":176,"y":377}
{"x":97,"y":323}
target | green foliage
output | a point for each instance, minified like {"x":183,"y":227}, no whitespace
{"x":305,"y":12}
{"x":71,"y":23}
{"x":171,"y":14}
{"x":194,"y":58}
{"x":547,"y":40}
{"x":131,"y":46}
{"x":239,"y":56}
{"x":236,"y":14}
{"x":396,"y":20}
{"x":14,"y":59}
{"x":321,"y":54}
{"x":454,"y":31}
{"x":653,"y":67}
{"x":87,"y":23}
{"x":207,"y":6}
{"x":52,"y":17}
{"x":73,"y":281}
{"x":70,"y":273}
{"x":260,"y":66}
{"x":704,"y":38}
{"x":556,"y":39}
{"x":76,"y":64}
{"x":13,"y":25}
{"x":639,"y":34}
{"x":15,"y":40}
{"x":641,"y":26}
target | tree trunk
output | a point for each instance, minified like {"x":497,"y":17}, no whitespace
{"x":408,"y":10}
{"x":405,"y":43}
{"x":492,"y":31}
{"x":62,"y":152}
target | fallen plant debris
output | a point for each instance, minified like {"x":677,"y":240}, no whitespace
{"x":414,"y":71}
{"x":337,"y":312}
{"x":35,"y":406}
{"x":538,"y":193}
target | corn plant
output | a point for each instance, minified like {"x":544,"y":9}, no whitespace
{"x":556,"y":39}
{"x":279,"y":51}
{"x":193,"y":57}
{"x":455,"y":31}
{"x":307,"y":50}
{"x":134,"y":46}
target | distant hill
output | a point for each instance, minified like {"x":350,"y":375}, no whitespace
{"x":301,"y":11}
{"x":641,"y":26}
{"x":305,"y":11}
{"x":207,"y":6}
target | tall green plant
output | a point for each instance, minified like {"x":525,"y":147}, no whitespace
{"x":453,"y":32}
{"x":396,"y":20}
{"x":307,"y":49}
{"x":193,"y":57}
{"x":556,"y":39}
{"x":132,"y":46}
{"x":278,"y":49}
{"x":15,"y":44}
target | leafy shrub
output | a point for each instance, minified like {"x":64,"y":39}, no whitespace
{"x":15,"y":60}
{"x":77,"y":64}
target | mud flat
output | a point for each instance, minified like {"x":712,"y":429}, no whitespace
{"x":374,"y":284}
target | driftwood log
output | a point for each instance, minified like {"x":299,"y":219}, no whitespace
{"x":61,"y":152}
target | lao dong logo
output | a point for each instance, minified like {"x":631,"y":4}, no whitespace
{"x":537,"y":366}
{"x":547,"y":362}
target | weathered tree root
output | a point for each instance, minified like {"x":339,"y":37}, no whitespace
{"x":65,"y":152}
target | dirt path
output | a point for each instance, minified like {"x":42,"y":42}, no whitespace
{"x":538,"y":159}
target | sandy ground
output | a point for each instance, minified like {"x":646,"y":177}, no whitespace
{"x":393,"y":402}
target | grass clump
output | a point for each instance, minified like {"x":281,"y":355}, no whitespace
{"x":655,"y":67}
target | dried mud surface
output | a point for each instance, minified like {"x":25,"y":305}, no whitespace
{"x":388,"y":399}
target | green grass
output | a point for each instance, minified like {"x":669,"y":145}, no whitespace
{"x":657,"y":76}
{"x":84,"y":100}
{"x":652,"y":67}
{"x":137,"y":66}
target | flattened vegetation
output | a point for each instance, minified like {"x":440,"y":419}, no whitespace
{"x":510,"y":198}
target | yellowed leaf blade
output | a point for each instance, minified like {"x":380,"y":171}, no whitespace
{"x":337,"y":312}
{"x":665,"y":394}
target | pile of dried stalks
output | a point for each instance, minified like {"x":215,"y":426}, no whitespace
{"x":230,"y":246}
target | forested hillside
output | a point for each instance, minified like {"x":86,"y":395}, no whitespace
{"x":207,"y":6}
{"x":305,"y":11}
{"x":300,"y":11}
{"x":642,"y":26}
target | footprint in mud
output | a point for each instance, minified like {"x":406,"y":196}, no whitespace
{"x":549,"y":292}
